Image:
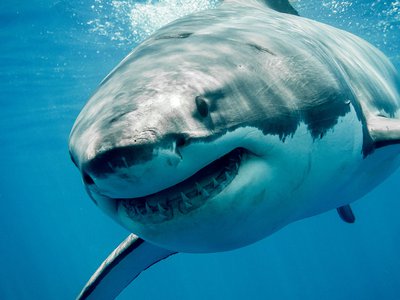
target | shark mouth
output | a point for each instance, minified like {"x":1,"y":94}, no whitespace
{"x":187,"y":195}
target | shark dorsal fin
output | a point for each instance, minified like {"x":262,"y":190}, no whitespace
{"x":282,"y":6}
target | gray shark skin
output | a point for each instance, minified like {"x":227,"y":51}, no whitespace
{"x":226,"y":125}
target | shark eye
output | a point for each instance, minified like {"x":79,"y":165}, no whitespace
{"x":202,"y":106}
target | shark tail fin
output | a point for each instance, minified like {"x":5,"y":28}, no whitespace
{"x":282,"y":6}
{"x":121,"y":267}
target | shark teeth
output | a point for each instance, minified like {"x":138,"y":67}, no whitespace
{"x":198,"y":187}
{"x":148,"y":209}
{"x":215,"y":182}
{"x":204,"y":193}
{"x":187,"y":195}
{"x":187,"y":204}
{"x":160,"y":208}
{"x":125,"y":162}
{"x":139,"y":212}
{"x":184,"y":198}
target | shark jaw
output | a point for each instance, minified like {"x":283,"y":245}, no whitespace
{"x":195,"y":213}
{"x":178,"y":200}
{"x":188,"y":195}
{"x":205,"y":212}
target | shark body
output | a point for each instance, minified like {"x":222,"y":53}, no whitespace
{"x":226,"y":125}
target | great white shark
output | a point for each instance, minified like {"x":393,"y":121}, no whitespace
{"x":226,"y":125}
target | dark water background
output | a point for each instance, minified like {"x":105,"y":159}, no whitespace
{"x":53,"y":54}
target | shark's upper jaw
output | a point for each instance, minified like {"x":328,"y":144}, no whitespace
{"x":183,"y":197}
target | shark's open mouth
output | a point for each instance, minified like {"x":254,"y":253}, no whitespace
{"x":187,"y":195}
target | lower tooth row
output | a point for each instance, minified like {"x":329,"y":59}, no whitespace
{"x":184,"y":204}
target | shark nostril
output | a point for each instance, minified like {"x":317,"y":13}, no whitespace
{"x":87,"y":179}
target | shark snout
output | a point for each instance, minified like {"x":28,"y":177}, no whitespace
{"x":110,"y":161}
{"x":134,"y":170}
{"x":114,"y":163}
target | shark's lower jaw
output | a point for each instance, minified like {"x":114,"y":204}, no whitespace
{"x":187,"y":195}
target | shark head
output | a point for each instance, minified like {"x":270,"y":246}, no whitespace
{"x":171,"y":149}
{"x":163,"y":148}
{"x":194,"y":147}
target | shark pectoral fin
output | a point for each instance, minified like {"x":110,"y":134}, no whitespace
{"x":123,"y":265}
{"x":282,"y":6}
{"x":346,"y":214}
{"x":384,"y":131}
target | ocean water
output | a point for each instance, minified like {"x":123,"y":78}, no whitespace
{"x":53,"y":54}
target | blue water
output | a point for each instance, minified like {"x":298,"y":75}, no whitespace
{"x":53,"y":54}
